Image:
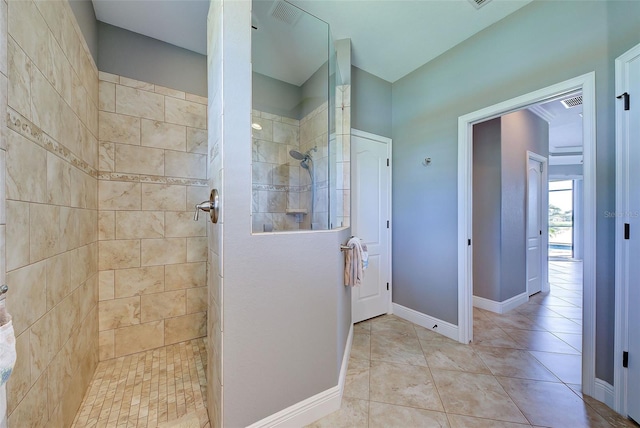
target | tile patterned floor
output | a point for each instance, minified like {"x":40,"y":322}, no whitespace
{"x":148,"y":388}
{"x":523,"y":369}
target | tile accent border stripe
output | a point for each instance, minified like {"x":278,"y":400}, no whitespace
{"x":23,"y":126}
{"x":142,"y":178}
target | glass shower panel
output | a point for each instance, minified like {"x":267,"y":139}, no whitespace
{"x":290,"y":119}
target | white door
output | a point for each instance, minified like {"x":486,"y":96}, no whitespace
{"x":535,"y":186}
{"x":370,"y":216}
{"x":631,"y":216}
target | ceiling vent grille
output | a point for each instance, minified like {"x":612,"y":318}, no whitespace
{"x":479,"y":3}
{"x":285,"y":12}
{"x":572,"y":102}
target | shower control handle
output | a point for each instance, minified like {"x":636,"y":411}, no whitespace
{"x":212,"y":206}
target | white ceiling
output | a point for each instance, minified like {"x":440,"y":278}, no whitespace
{"x":390,"y":38}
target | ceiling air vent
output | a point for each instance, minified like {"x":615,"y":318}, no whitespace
{"x":479,"y":3}
{"x":572,"y":102}
{"x":285,"y":12}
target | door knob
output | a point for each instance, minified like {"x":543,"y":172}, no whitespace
{"x":212,"y":206}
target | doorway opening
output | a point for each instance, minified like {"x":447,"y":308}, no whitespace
{"x":585,"y":86}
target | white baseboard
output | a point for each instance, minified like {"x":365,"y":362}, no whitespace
{"x":313,"y":408}
{"x":604,"y":392}
{"x":426,"y":321}
{"x":500,"y":307}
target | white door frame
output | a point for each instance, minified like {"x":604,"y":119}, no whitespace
{"x":585,"y":83}
{"x":354,"y":208}
{"x":544,"y":217}
{"x":622,"y":262}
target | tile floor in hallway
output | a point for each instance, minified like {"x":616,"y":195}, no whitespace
{"x":523,"y":369}
{"x":148,"y":388}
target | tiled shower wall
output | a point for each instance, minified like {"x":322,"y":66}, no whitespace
{"x":282,"y":188}
{"x":51,"y":192}
{"x":276,"y":175}
{"x":152,"y":254}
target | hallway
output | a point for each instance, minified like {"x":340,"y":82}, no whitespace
{"x":524,"y":365}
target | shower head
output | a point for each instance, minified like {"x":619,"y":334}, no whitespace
{"x":304,"y":163}
{"x":297,"y":155}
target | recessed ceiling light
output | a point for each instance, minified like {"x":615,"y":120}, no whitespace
{"x":256,"y":126}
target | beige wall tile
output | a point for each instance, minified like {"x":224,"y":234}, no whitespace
{"x":129,"y":340}
{"x":118,"y":254}
{"x":106,"y":281}
{"x":185,"y":327}
{"x":163,"y":305}
{"x":163,"y":251}
{"x":197,"y":140}
{"x":196,"y":98}
{"x":163,"y":135}
{"x":19,"y":89}
{"x":197,"y":249}
{"x":185,"y":275}
{"x":139,"y":103}
{"x":108,"y":77}
{"x":40,"y":353}
{"x":106,"y":156}
{"x":20,"y":380}
{"x":44,"y":231}
{"x":119,"y":195}
{"x":119,"y":128}
{"x":49,"y":111}
{"x":26,"y":175}
{"x":139,"y":160}
{"x":185,"y":113}
{"x":181,"y":224}
{"x":137,"y":84}
{"x":83,"y":189}
{"x":163,"y":197}
{"x":197,"y":299}
{"x":196,"y":195}
{"x":170,"y":92}
{"x":139,"y":224}
{"x":28,"y":297}
{"x":189,"y":165}
{"x":106,"y":225}
{"x":118,"y":313}
{"x":17,"y":234}
{"x":107,"y":97}
{"x":58,"y":279}
{"x":106,"y":344}
{"x":58,"y":180}
{"x":32,"y":410}
{"x":139,"y":281}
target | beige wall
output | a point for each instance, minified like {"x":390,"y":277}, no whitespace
{"x":51,"y":192}
{"x":152,"y":255}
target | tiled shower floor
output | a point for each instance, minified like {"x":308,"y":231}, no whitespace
{"x":148,"y":388}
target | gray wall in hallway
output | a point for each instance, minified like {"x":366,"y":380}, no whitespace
{"x":508,"y":59}
{"x":371,"y":103}
{"x":522,"y":131}
{"x":143,"y":58}
{"x":486,"y":209}
{"x":86,"y":17}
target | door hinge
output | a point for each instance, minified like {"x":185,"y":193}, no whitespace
{"x":626,"y":231}
{"x":625,"y":359}
{"x":387,"y":161}
{"x":626,"y":100}
{"x":387,"y":224}
{"x":387,"y":286}
{"x":541,"y":167}
{"x":468,"y":241}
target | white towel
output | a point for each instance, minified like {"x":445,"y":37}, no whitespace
{"x":354,"y":262}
